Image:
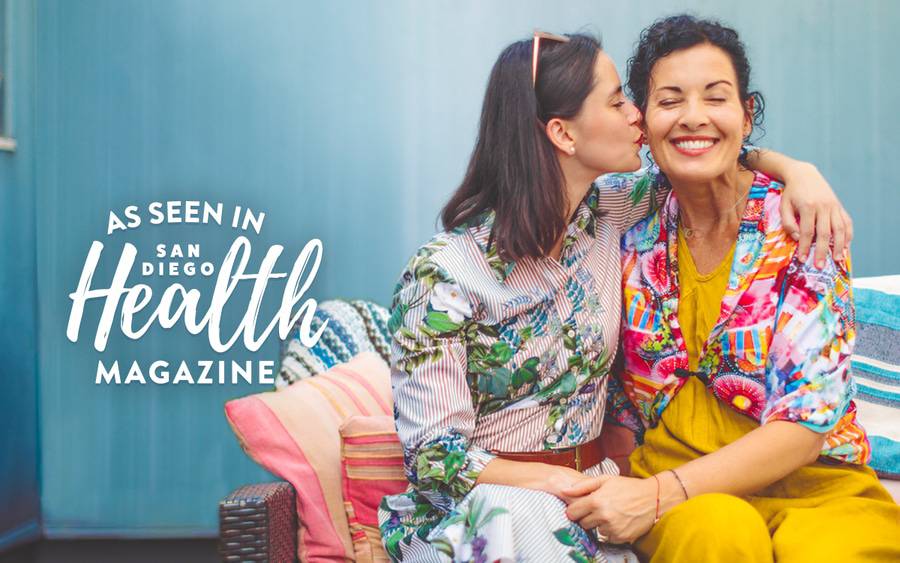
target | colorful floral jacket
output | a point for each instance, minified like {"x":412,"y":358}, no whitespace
{"x":781,"y":347}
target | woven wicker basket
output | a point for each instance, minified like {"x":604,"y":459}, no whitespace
{"x":259,"y":523}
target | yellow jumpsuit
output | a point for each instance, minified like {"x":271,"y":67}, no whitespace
{"x":820,"y":512}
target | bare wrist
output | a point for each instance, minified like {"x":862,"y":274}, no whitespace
{"x":546,"y":478}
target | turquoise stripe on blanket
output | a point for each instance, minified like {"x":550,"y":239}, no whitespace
{"x":866,"y":370}
{"x":885,"y":457}
{"x":876,"y":372}
{"x":877,"y":307}
{"x":879,"y":396}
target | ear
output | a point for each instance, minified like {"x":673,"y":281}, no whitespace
{"x":558,"y":132}
{"x":748,"y":116}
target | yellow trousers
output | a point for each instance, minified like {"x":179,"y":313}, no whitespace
{"x":820,"y":512}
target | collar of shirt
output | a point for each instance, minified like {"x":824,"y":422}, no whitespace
{"x":583,"y":222}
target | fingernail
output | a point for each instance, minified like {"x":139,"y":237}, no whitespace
{"x":795,"y":235}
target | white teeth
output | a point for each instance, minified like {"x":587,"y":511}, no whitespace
{"x":694,"y":145}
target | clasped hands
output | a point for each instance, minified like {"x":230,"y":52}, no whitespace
{"x":621,"y":508}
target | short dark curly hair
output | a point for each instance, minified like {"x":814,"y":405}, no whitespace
{"x":676,"y":33}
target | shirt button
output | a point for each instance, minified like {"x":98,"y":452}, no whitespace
{"x":563,"y":401}
{"x":571,"y":332}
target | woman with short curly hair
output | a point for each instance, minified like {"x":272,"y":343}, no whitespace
{"x":736,"y":346}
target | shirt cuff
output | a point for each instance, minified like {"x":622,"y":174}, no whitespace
{"x":478,"y":458}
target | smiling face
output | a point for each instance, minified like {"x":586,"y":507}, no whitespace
{"x":695,"y":121}
{"x":605,"y":132}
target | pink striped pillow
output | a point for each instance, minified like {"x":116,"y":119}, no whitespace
{"x":371,"y":467}
{"x":294,"y":433}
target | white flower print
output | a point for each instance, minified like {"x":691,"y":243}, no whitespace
{"x":401,"y":503}
{"x":449,"y":297}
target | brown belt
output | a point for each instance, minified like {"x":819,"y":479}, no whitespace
{"x":578,"y":458}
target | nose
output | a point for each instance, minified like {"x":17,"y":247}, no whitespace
{"x":693,"y":115}
{"x":634,"y":114}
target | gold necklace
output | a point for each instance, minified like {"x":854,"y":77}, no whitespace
{"x":690,"y":232}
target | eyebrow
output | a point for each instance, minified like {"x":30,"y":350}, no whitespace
{"x":615,"y":92}
{"x":678,"y":90}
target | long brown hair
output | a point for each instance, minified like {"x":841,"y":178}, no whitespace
{"x":514,"y":170}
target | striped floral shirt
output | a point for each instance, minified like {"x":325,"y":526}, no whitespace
{"x":491,"y":355}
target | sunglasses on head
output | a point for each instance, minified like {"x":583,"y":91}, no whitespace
{"x":535,"y":49}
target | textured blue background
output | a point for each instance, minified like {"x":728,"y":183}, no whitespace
{"x":350,"y":122}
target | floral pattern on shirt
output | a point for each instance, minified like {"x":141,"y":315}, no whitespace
{"x":781,"y":347}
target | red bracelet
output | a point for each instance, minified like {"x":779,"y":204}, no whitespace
{"x":656,"y":519}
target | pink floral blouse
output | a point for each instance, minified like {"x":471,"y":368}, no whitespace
{"x":781,"y":347}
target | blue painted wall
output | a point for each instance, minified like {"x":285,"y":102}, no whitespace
{"x":350,"y":123}
{"x":19,"y":455}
